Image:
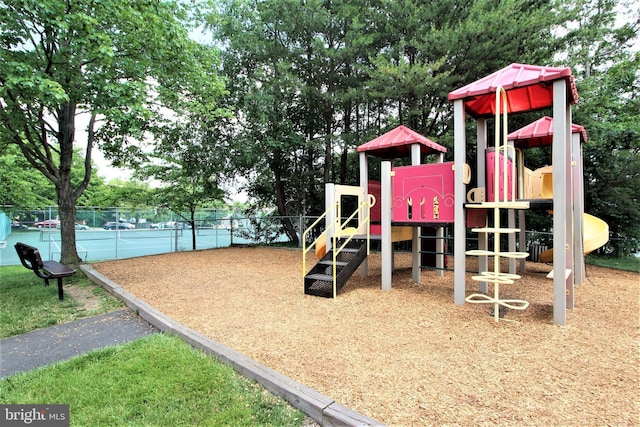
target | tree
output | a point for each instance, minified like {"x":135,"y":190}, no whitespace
{"x":309,"y":81}
{"x":21,"y":185}
{"x":24,"y":188}
{"x":273,"y":118}
{"x":190,"y":165}
{"x":118,"y":192}
{"x":608,"y":75}
{"x":612,"y":154}
{"x":126,"y":65}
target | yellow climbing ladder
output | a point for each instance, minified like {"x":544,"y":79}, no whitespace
{"x":501,"y":201}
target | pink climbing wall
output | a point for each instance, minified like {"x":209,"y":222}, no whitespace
{"x":423,"y":193}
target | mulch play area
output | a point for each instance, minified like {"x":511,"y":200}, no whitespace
{"x":410,"y":356}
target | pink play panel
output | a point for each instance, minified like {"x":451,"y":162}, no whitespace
{"x":423,"y":193}
{"x":375,"y":190}
{"x":375,"y":214}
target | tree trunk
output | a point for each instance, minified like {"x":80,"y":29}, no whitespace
{"x":289,"y":229}
{"x":67,"y":197}
{"x":345,"y":149}
{"x":67,"y":208}
{"x":193,"y":228}
{"x":327,"y":158}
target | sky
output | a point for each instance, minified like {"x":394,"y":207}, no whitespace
{"x":108,"y":172}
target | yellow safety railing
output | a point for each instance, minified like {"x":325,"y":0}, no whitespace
{"x":305,"y":250}
{"x":340,"y":230}
{"x":363,"y":222}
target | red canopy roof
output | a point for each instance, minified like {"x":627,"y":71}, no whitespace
{"x":540,"y":133}
{"x":397,"y":143}
{"x":528,"y":88}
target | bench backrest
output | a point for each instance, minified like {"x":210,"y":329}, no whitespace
{"x":29,"y":256}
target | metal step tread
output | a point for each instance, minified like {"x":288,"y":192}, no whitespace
{"x":350,"y":250}
{"x":329,"y":263}
{"x":319,"y":276}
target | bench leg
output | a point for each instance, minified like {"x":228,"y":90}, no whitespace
{"x":60,"y":294}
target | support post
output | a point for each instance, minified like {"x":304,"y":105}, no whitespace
{"x":60,"y":292}
{"x":511,"y":223}
{"x":578,"y":209}
{"x":386,"y":246}
{"x":459,"y":233}
{"x":481,"y":166}
{"x":364,"y":183}
{"x":440,"y":246}
{"x":415,"y":240}
{"x":330,"y":219}
{"x":560,"y":171}
{"x":522,"y":224}
{"x":511,"y":214}
{"x":569,"y":214}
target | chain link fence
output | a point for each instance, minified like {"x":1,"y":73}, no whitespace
{"x":103,"y":234}
{"x":115,"y":233}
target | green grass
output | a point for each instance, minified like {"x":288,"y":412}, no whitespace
{"x":26,"y":304}
{"x":157,"y":380}
{"x":628,"y":263}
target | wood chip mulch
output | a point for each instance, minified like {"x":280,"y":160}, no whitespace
{"x":410,"y":356}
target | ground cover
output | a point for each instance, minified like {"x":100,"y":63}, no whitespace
{"x":627,"y":263}
{"x":26,"y":304}
{"x":410,"y":356}
{"x":154,"y":381}
{"x":134,"y":384}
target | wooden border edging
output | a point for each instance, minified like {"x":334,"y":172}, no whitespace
{"x":322,"y":409}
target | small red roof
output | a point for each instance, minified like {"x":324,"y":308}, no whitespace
{"x":397,"y":143}
{"x":540,"y":133}
{"x":528,"y":88}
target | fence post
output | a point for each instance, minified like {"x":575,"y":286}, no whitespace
{"x":301,"y":228}
{"x":175,"y":231}
{"x":117,"y":231}
{"x":49,"y":238}
{"x":215,"y":224}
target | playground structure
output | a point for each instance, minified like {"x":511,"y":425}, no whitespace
{"x":434,"y":195}
{"x":422,"y":194}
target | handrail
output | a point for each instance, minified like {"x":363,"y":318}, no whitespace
{"x":315,"y":242}
{"x":336,"y":235}
{"x":503,"y":146}
{"x":498,"y":147}
{"x":337,"y":250}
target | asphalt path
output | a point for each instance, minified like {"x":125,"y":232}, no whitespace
{"x":42,"y":347}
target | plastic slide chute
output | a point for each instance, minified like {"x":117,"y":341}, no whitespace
{"x":595,"y":234}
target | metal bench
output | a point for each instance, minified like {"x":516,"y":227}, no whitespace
{"x":30,"y":258}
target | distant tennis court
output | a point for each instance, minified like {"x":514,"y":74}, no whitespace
{"x":98,"y":244}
